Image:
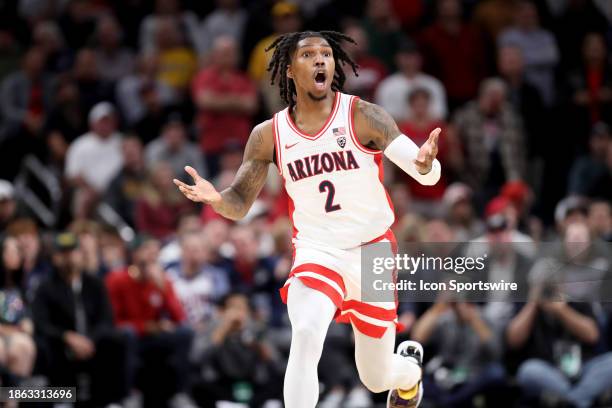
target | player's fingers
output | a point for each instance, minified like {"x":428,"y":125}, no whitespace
{"x":193,"y":173}
{"x":434,"y":135}
{"x":420,"y":163}
{"x":179,"y":183}
{"x":185,"y":190}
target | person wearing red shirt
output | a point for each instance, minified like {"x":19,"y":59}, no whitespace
{"x":226,"y":100}
{"x":371,"y":69}
{"x":420,"y":123}
{"x":159,"y":207}
{"x":144,"y":303}
{"x":453,"y":52}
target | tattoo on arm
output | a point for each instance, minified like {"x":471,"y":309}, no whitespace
{"x":251,"y":176}
{"x":382,"y":129}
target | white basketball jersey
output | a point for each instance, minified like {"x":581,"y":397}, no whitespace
{"x":335,"y":185}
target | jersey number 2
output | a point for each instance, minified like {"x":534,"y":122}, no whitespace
{"x":328,"y":186}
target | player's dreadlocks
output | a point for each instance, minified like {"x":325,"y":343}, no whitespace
{"x":285,"y":45}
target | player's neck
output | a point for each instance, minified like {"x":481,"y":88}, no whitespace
{"x":306,"y":106}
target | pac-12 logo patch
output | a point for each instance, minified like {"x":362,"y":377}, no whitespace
{"x":341,"y":141}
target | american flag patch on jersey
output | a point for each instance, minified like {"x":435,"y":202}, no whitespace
{"x":339,"y":131}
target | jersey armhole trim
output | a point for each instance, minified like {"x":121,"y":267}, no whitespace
{"x":279,"y":163}
{"x":356,"y":141}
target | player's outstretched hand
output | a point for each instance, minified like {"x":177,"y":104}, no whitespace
{"x":427,"y":152}
{"x":201,"y":192}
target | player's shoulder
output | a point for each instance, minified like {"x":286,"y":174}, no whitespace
{"x":261,"y":141}
{"x":265,"y":129}
{"x":365,"y":109}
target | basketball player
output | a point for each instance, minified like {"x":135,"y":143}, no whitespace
{"x":328,"y":148}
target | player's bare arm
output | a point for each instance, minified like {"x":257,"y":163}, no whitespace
{"x":375,"y":128}
{"x":234,"y":202}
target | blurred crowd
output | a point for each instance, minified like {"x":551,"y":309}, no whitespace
{"x":112,"y":281}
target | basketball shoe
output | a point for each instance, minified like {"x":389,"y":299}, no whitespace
{"x":410,"y":398}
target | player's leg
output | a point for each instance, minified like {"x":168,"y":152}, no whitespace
{"x":310,"y":312}
{"x":380,"y":368}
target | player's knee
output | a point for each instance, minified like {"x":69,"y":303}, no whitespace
{"x":308,"y":336}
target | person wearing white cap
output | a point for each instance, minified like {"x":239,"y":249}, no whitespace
{"x":94,"y":158}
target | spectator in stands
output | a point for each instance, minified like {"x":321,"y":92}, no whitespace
{"x":17,"y":349}
{"x":255,"y":272}
{"x":453,"y":51}
{"x":227,"y":19}
{"x":600,"y":220}
{"x":539,"y":48}
{"x":494,"y":16}
{"x":73,"y":317}
{"x":129,"y":183}
{"x":558,"y":343}
{"x":49,"y":38}
{"x":393,"y":90}
{"x":216,"y":233}
{"x":78,"y":23}
{"x":145,"y":303}
{"x":474,"y":370}
{"x":285,"y":19}
{"x":36,"y":267}
{"x":419,"y":125}
{"x":94,"y":158}
{"x":226,"y":100}
{"x":67,"y":120}
{"x":160,"y":205}
{"x":199,"y":285}
{"x":588,"y":175}
{"x":383,"y":32}
{"x":177,"y":61}
{"x":171,"y":252}
{"x":239,"y":352}
{"x":492,"y":137}
{"x":92,"y":88}
{"x":501,"y":222}
{"x":584,"y":18}
{"x":172,"y":146}
{"x":25,"y":96}
{"x":10,"y":51}
{"x":590,"y":84}
{"x":569,"y":210}
{"x":156,"y":114}
{"x":88,"y":235}
{"x":524,"y":98}
{"x":371,"y":69}
{"x":8,"y":205}
{"x":584,"y":265}
{"x":131,"y":90}
{"x":460,"y":213}
{"x":251,"y":270}
{"x":167,"y":9}
{"x":113,"y":252}
{"x":113,"y":60}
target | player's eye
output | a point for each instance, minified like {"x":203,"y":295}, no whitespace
{"x":327,"y":54}
{"x":305,"y":54}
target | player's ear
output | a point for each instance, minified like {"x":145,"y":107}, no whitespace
{"x":289,"y":72}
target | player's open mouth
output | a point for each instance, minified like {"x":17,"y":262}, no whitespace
{"x":320,"y":79}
